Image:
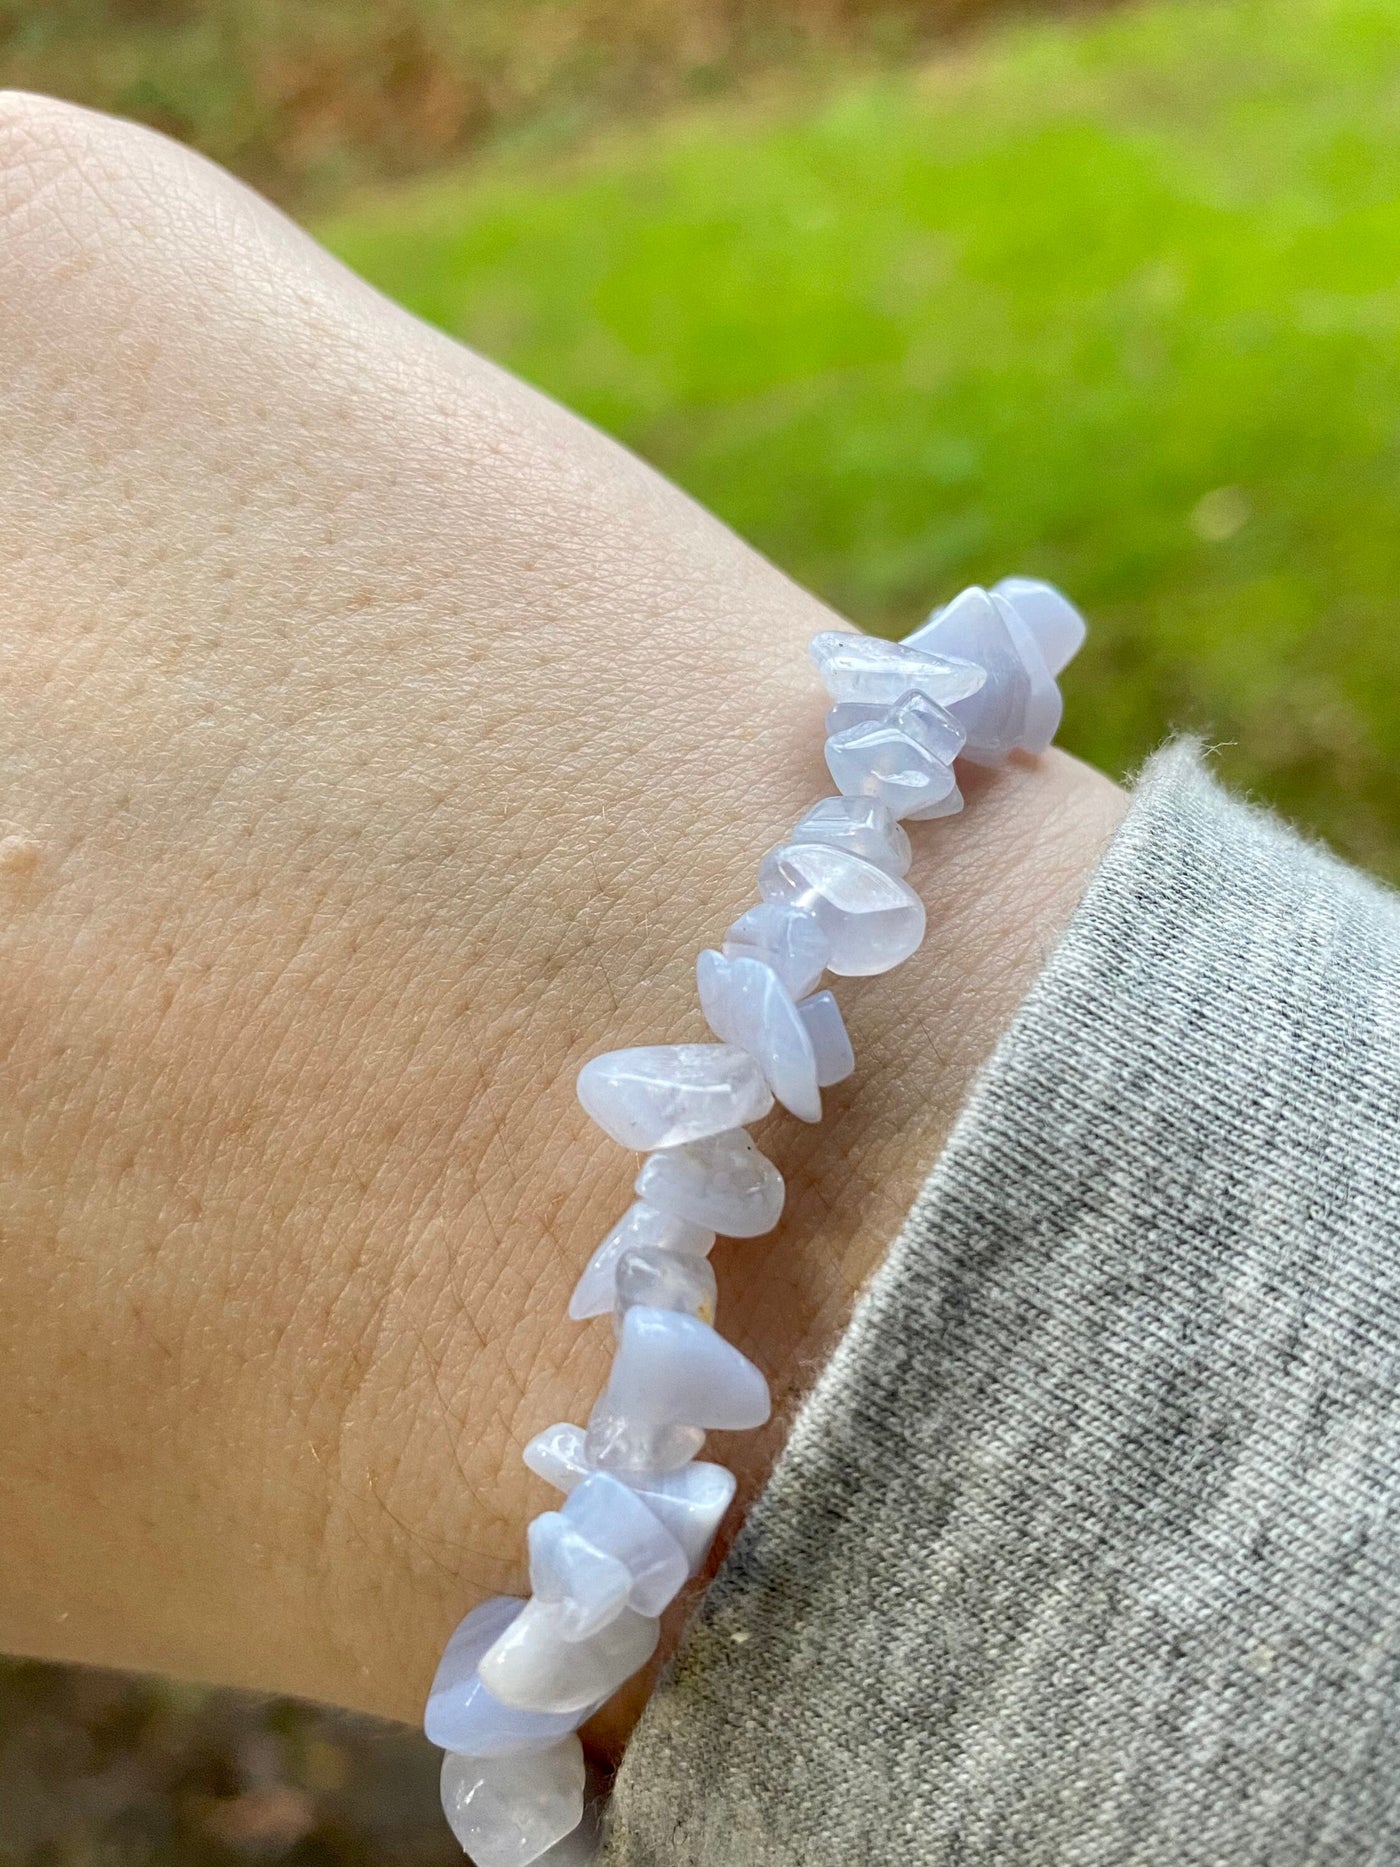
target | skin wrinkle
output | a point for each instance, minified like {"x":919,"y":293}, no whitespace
{"x":398,"y":741}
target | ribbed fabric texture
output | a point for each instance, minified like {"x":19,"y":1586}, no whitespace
{"x":1085,"y":1552}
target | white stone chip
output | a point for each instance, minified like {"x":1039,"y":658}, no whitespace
{"x":533,"y":1667}
{"x":871,"y":671}
{"x":723,"y":1183}
{"x":642,"y":1226}
{"x":690,"y":1501}
{"x":863,"y":825}
{"x":971,"y":625}
{"x":616,"y":1442}
{"x":509,"y":1811}
{"x":872,"y":919}
{"x":892,"y":758}
{"x":557,"y":1456}
{"x":671,"y":1369}
{"x":584,"y":1583}
{"x":615,"y":1519}
{"x":648,"y":1278}
{"x":784,"y":938}
{"x":1044,"y":707}
{"x":746,"y":1003}
{"x":831,"y":1045}
{"x":662,"y":1095}
{"x":1052,"y":619}
{"x":462,"y":1715}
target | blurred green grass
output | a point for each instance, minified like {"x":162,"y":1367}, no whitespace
{"x":306,"y":97}
{"x":1116,"y":302}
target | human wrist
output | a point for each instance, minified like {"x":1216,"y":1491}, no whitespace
{"x":422,"y":1334}
{"x":384,"y":760}
{"x":1004,"y":887}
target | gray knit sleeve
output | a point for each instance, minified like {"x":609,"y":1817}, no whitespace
{"x":1085,"y":1552}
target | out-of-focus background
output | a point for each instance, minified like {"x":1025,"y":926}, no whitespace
{"x":914,"y":293}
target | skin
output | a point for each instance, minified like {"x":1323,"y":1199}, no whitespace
{"x":378,"y":743}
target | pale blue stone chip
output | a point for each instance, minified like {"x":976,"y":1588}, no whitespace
{"x":661,"y":1095}
{"x":746,"y":1003}
{"x":786,"y":939}
{"x":510,"y":1811}
{"x":463,"y":1716}
{"x":872,"y":919}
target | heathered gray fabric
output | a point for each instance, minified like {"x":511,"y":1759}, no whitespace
{"x":1086,"y":1550}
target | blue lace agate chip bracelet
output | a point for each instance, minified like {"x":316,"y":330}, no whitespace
{"x":975,"y":682}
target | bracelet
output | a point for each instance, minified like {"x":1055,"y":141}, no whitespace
{"x":977,"y":682}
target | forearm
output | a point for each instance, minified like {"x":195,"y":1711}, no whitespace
{"x":390,"y":743}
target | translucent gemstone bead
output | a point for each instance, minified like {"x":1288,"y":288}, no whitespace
{"x":870,"y":671}
{"x":662,"y":1095}
{"x":461,"y":1713}
{"x":644,"y":1226}
{"x":872,"y":919}
{"x":1052,"y":619}
{"x":615,"y":1443}
{"x":533,"y":1667}
{"x":746,"y":1003}
{"x":848,"y":713}
{"x":904,"y":758}
{"x":974,"y":627}
{"x":652,"y":1279}
{"x":689,"y":1501}
{"x":864,"y":826}
{"x":556,"y":1455}
{"x":587,"y":1586}
{"x":1044,"y":707}
{"x":508,"y":1811}
{"x":671,"y":1369}
{"x":784,"y":938}
{"x":933,"y":726}
{"x":613,"y":1518}
{"x":946,"y":806}
{"x":724,"y":1184}
{"x":830,"y":1043}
